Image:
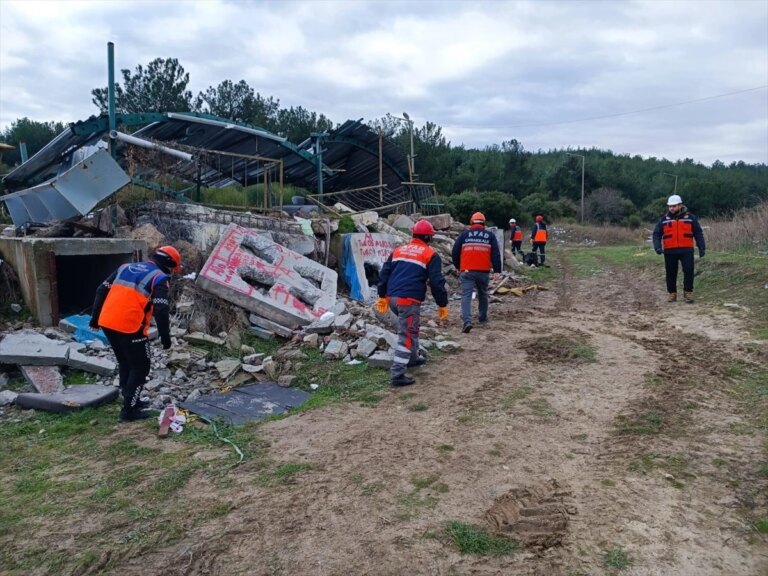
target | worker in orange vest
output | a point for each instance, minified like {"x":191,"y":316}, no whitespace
{"x":124,"y":305}
{"x":402,"y":288}
{"x":515,"y":237}
{"x":539,"y":238}
{"x":674,"y":236}
{"x":475,"y":253}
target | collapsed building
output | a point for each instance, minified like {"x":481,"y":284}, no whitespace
{"x":280,"y":270}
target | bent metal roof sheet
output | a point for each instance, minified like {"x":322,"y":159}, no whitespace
{"x":226,"y":149}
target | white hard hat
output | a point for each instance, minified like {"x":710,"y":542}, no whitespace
{"x":512,"y":220}
{"x":674,"y":200}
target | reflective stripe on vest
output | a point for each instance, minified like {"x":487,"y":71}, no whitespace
{"x":541,"y":235}
{"x":677,"y":233}
{"x":127,"y":307}
{"x":419,"y":254}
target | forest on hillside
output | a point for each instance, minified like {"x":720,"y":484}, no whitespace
{"x":503,"y":179}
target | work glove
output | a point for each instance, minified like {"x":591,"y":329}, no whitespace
{"x":495,"y":277}
{"x":658,"y":251}
{"x":442,"y":313}
{"x":701,"y":253}
{"x":382,"y":305}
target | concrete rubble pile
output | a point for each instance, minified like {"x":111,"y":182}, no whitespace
{"x":251,"y":282}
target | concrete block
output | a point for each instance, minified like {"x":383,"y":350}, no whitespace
{"x":255,"y":273}
{"x":380,"y":360}
{"x":227,"y":367}
{"x":362,"y":257}
{"x":278,"y":329}
{"x":321,"y":325}
{"x":365,"y":348}
{"x":201,"y":338}
{"x":44,"y":379}
{"x":30,"y":348}
{"x":261,"y":333}
{"x":94,"y":364}
{"x":335,"y":349}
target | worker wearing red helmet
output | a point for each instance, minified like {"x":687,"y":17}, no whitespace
{"x":474,"y":253}
{"x":403,"y":287}
{"x":124,"y":305}
{"x":539,"y":238}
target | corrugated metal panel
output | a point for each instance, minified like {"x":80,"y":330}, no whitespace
{"x":74,"y":193}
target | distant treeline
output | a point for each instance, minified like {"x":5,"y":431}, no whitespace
{"x":503,"y":180}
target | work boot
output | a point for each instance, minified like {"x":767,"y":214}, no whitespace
{"x":688,"y":297}
{"x":672,"y":297}
{"x":133,"y":414}
{"x":402,"y":381}
{"x":420,"y":361}
{"x":467,"y":327}
{"x":143,"y":404}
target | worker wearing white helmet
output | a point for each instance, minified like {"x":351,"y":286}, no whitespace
{"x":515,"y":237}
{"x":674,"y":236}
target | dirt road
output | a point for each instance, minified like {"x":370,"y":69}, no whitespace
{"x":587,"y":418}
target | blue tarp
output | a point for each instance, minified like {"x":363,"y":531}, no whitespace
{"x":83,"y":332}
{"x":351,"y":275}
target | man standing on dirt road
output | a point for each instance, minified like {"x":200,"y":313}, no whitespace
{"x":515,"y":237}
{"x":539,"y":238}
{"x":124,"y":305}
{"x":674,"y":235}
{"x":474,"y":253}
{"x":402,"y":288}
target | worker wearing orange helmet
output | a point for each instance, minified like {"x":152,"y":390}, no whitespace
{"x":402,"y":288}
{"x":539,"y":238}
{"x":474,"y":253}
{"x":124,"y":305}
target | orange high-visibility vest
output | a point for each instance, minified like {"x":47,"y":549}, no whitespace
{"x":128,"y":307}
{"x":541,"y":235}
{"x":677,"y":233}
{"x":517,"y":235}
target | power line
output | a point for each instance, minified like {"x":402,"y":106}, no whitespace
{"x":642,"y":109}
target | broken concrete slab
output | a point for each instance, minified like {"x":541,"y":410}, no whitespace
{"x":336,"y":349}
{"x":278,"y":329}
{"x":227,"y":367}
{"x":365,"y":348}
{"x":201,"y":338}
{"x":323,"y":325}
{"x":362,"y":257}
{"x":44,"y":379}
{"x":7,"y":397}
{"x":30,"y":348}
{"x":380,"y":359}
{"x":70,"y":399}
{"x":257,"y":274}
{"x":261,"y":333}
{"x":95,"y":364}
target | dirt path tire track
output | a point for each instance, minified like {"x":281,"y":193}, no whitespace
{"x":499,"y":421}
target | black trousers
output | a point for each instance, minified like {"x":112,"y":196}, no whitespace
{"x":517,"y":246}
{"x":671,"y":265}
{"x":133,"y":360}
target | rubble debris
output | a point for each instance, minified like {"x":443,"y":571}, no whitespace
{"x":30,"y":348}
{"x":73,"y":398}
{"x":259,"y":275}
{"x":45,"y":379}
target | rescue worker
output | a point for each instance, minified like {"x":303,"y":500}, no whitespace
{"x":402,"y":288}
{"x":539,"y":238}
{"x":474,"y":253}
{"x":124,"y":305}
{"x":515,"y":237}
{"x":674,"y":236}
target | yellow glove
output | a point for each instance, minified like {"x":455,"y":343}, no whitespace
{"x":442,"y":313}
{"x":382,"y":305}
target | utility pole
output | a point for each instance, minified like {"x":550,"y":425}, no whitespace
{"x":675,"y":177}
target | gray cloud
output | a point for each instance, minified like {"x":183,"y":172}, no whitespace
{"x":479,"y":70}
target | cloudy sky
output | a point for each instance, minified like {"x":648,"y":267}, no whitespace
{"x":671,"y":79}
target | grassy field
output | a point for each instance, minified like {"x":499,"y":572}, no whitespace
{"x":120,"y":488}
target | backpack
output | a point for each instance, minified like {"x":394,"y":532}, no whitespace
{"x":531,"y":259}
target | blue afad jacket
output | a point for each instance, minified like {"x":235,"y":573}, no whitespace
{"x":407,"y":271}
{"x":476,"y":250}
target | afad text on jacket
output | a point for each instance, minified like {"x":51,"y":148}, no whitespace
{"x":477,"y":250}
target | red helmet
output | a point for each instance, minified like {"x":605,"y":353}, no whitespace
{"x":169,"y":257}
{"x":477,"y":218}
{"x":423,"y":228}
{"x":539,"y":218}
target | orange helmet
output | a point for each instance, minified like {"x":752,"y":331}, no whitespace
{"x":477,"y":218}
{"x":169,"y":257}
{"x":423,"y":228}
